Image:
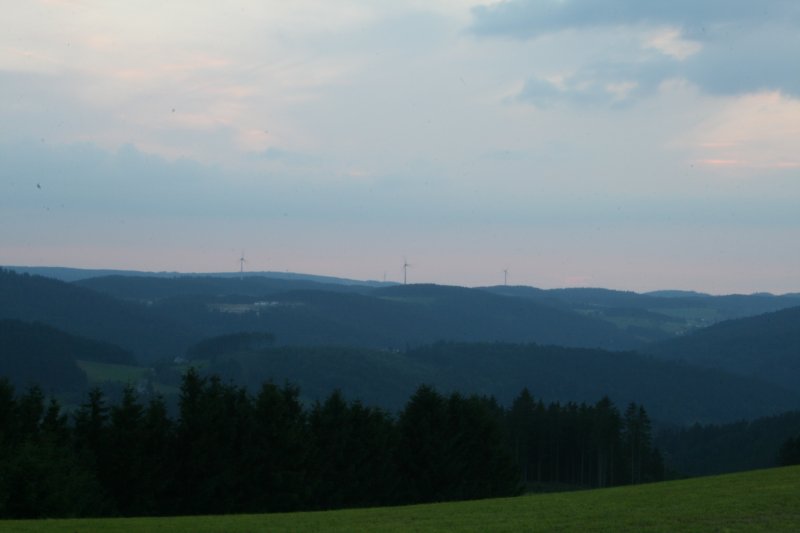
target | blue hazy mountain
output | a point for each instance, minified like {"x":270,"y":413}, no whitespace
{"x":765,"y":346}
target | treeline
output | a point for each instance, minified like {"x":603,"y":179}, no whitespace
{"x":582,"y":445}
{"x":711,"y":449}
{"x":789,"y":453}
{"x":228,"y":451}
{"x":232,"y":343}
{"x":673,"y":392}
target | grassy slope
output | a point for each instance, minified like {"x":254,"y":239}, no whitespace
{"x":764,"y":500}
{"x":102,"y":372}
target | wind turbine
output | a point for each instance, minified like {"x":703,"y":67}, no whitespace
{"x":405,"y":270}
{"x":241,"y":266}
{"x":505,"y":276}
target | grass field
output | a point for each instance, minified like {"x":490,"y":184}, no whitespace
{"x":764,"y":500}
{"x":102,"y":372}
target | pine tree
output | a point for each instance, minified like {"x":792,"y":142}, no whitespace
{"x":280,"y":450}
{"x":423,"y":454}
{"x":520,"y":421}
{"x":158,"y":452}
{"x":126,"y":477}
{"x":8,"y":409}
{"x":605,"y":431}
{"x":789,"y":453}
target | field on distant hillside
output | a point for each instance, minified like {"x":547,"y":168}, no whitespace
{"x":764,"y":500}
{"x":102,"y":372}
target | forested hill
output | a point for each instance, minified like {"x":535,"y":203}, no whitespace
{"x":156,"y":288}
{"x":36,"y":354}
{"x":677,"y":393}
{"x":718,"y":308}
{"x":91,"y":314}
{"x":392,"y":318}
{"x":78,"y":274}
{"x":161,"y":317}
{"x":379,"y":344}
{"x":765,"y":346}
{"x":426,"y":313}
{"x":656,"y":316}
{"x":702,"y":450}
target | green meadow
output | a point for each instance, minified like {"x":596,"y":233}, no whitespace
{"x":98,"y":372}
{"x":763,"y":500}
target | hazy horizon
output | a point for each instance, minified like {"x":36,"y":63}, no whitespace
{"x":624,"y":145}
{"x":293,"y":274}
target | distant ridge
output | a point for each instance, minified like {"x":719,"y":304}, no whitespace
{"x":76,"y":274}
{"x":678,"y":294}
{"x":158,"y":317}
{"x":69,"y":274}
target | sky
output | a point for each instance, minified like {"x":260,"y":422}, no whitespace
{"x":618,"y":143}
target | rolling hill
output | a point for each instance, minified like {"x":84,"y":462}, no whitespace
{"x":88,"y":313}
{"x":380,"y":343}
{"x":672,"y":392}
{"x":159,"y":317}
{"x":655,"y":316}
{"x":152,"y":288}
{"x":78,"y":274}
{"x":765,"y":346}
{"x":33,"y":353}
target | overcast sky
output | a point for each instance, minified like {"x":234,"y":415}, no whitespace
{"x":619,"y":143}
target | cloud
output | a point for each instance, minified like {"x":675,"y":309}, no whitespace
{"x":90,"y":182}
{"x":723,"y":47}
{"x":532,"y":18}
{"x":83,"y":177}
{"x":602,"y":83}
{"x":289,"y":157}
{"x":670,"y":43}
{"x":754,"y":133}
{"x":762,"y":60}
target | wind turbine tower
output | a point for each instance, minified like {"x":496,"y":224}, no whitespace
{"x":505,"y":277}
{"x":405,"y":270}
{"x":241,"y":266}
